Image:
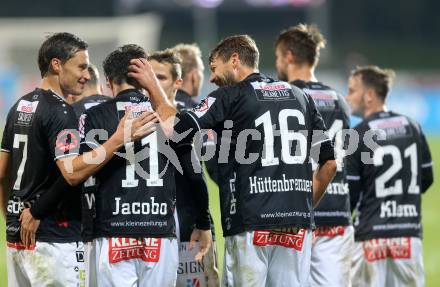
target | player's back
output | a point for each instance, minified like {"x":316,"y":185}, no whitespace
{"x":86,"y":103}
{"x":135,"y":190}
{"x":265,"y":182}
{"x":35,"y":139}
{"x":334,"y":207}
{"x":390,"y":183}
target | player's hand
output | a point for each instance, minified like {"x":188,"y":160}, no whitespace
{"x":204,"y":237}
{"x":141,"y":71}
{"x":29,"y":226}
{"x":131,"y":129}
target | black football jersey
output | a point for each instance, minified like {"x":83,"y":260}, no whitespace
{"x":186,"y":205}
{"x":334,"y":207}
{"x":86,"y":103}
{"x":40,"y":129}
{"x":264,"y":130}
{"x":134,"y":194}
{"x":86,"y":191}
{"x":184,"y":101}
{"x":386,"y":172}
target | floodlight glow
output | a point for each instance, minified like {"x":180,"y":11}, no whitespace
{"x":208,"y":3}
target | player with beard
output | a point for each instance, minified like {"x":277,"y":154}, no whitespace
{"x":387,"y":175}
{"x":166,"y":66}
{"x":92,"y":94}
{"x":133,"y":199}
{"x":297,"y":55}
{"x":266,"y":201}
{"x":192,"y":77}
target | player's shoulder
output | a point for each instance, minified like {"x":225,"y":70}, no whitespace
{"x":319,"y":90}
{"x":407,"y":120}
{"x":37,"y":97}
{"x":101,"y":108}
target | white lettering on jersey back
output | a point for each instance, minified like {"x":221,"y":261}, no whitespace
{"x":128,"y":208}
{"x":390,"y":208}
{"x":90,"y":198}
{"x":337,"y":188}
{"x":267,"y":184}
{"x":15,"y":207}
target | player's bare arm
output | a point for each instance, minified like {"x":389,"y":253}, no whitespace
{"x":4,"y":181}
{"x":142,"y":71}
{"x":321,"y":178}
{"x":75,"y":170}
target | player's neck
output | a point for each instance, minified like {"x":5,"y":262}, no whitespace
{"x":375,"y":109}
{"x":303,"y":73}
{"x":245,"y":72}
{"x":116,"y":89}
{"x":52,"y":83}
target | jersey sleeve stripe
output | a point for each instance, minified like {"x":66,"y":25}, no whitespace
{"x":195,"y":120}
{"x":65,"y":155}
{"x":425,"y":165}
{"x":353,"y":177}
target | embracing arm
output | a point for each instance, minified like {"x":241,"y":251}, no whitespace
{"x":76,"y":169}
{"x":142,"y":71}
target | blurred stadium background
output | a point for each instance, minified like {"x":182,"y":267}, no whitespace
{"x":402,"y":35}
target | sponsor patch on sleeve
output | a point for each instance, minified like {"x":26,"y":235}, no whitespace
{"x":387,"y":248}
{"x":25,"y":112}
{"x":123,"y":249}
{"x":204,"y":106}
{"x":67,"y":143}
{"x":285,"y":239}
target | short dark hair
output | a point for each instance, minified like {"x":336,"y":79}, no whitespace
{"x":62,"y":46}
{"x":243,"y":45}
{"x":304,"y":41}
{"x":170,"y":57}
{"x":94,"y":75}
{"x":117,"y":62}
{"x":376,"y":78}
{"x":191,"y":57}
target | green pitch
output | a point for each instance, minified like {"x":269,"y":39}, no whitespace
{"x":431,"y":226}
